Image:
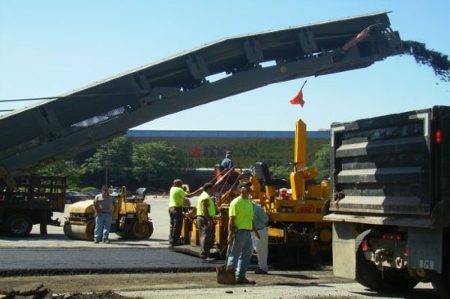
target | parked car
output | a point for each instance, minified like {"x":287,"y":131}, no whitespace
{"x":93,"y":193}
{"x":75,"y":196}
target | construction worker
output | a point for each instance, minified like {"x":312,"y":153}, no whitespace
{"x":205,"y":221}
{"x":240,"y":226}
{"x":227,"y":162}
{"x":176,"y":200}
{"x":104,"y":205}
{"x":261,"y":246}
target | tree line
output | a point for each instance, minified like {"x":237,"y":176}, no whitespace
{"x":124,"y":162}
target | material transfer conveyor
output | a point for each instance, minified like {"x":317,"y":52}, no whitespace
{"x":86,"y":118}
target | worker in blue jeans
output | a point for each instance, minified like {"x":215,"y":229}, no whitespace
{"x":240,"y":226}
{"x":104,"y":206}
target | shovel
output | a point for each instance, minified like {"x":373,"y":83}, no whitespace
{"x":226,"y":275}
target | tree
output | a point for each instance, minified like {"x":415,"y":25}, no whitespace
{"x":155,"y":163}
{"x":322,"y":162}
{"x":281,"y":172}
{"x":111,"y":163}
{"x":64,"y":168}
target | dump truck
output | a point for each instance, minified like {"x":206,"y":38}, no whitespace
{"x":32,"y":200}
{"x":130,"y":218}
{"x":391,"y":200}
{"x":297,"y":232}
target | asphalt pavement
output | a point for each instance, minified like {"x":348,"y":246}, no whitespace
{"x":55,"y":253}
{"x":56,"y":238}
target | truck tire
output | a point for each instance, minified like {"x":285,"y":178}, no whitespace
{"x":386,"y":281}
{"x":359,"y":277}
{"x":441,"y":282}
{"x":18,"y":225}
{"x":358,"y":251}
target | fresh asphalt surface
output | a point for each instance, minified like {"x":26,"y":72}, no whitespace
{"x":37,"y":261}
{"x":56,"y":253}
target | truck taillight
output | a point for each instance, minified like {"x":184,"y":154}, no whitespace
{"x":437,"y":137}
{"x":391,"y":237}
{"x":365,"y":245}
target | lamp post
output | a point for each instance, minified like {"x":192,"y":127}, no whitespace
{"x":105,"y":164}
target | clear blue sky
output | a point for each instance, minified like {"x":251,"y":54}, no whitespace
{"x":51,"y":47}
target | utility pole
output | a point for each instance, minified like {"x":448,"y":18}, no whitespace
{"x":105,"y":163}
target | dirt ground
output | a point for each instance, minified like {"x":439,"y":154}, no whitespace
{"x":107,"y":285}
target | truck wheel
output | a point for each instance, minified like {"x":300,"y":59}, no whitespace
{"x":18,"y":225}
{"x":358,"y":275}
{"x":142,"y":230}
{"x":441,"y":282}
{"x":386,"y":281}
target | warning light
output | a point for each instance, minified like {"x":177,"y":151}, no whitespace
{"x":437,"y":137}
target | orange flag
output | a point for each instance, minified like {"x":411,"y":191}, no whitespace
{"x":298,"y":99}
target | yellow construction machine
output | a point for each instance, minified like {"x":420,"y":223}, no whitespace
{"x":130,"y":219}
{"x":297,"y":232}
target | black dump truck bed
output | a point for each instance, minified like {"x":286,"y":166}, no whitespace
{"x":393,"y":169}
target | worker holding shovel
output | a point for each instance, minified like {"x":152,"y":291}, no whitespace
{"x":240,"y":226}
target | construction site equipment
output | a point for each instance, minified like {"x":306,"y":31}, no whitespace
{"x":73,"y":123}
{"x":297,"y":232}
{"x":390,"y":212}
{"x":130,"y":218}
{"x":32,"y":200}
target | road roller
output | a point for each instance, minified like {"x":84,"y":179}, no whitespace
{"x":130,"y":219}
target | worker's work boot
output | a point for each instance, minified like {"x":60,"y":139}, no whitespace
{"x":260,"y":271}
{"x":243,"y":280}
{"x":208,"y":259}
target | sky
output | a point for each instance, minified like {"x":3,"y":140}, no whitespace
{"x":52,"y":47}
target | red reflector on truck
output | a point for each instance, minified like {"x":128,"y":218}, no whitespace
{"x":365,"y":245}
{"x":437,"y":137}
